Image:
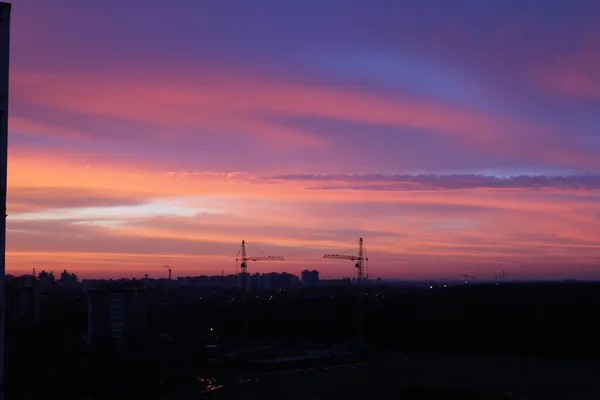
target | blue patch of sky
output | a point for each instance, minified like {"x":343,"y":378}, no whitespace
{"x":399,"y":72}
{"x":565,"y":113}
{"x":427,"y":78}
{"x":387,"y":149}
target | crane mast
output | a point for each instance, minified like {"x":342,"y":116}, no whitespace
{"x":244,"y":264}
{"x":359,"y":264}
{"x":244,"y":278}
{"x":501,"y":276}
{"x":360,"y":261}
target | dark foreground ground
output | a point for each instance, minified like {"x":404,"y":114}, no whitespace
{"x":551,"y":323}
{"x":431,"y":377}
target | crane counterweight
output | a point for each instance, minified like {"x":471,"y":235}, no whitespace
{"x":360,"y":258}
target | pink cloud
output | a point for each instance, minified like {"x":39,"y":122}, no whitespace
{"x":572,"y":81}
{"x":220,"y":101}
{"x":477,"y":228}
{"x":31,"y":126}
{"x":576,"y":74}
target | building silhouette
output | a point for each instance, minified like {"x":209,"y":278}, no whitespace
{"x":310,"y":278}
{"x":67,"y":278}
{"x":22,"y":299}
{"x":46,"y":279}
{"x":273,"y":281}
{"x":118,"y":314}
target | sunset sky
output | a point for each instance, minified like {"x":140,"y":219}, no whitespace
{"x":454,"y":136}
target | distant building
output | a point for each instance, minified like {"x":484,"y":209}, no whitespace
{"x":336,"y":282}
{"x":265,"y":282}
{"x":120,"y":313}
{"x":215,"y":281}
{"x":285,"y":280}
{"x":257,"y":282}
{"x":273,"y":281}
{"x":46,"y":279}
{"x":310,"y":278}
{"x":67,"y":278}
{"x":23,"y":299}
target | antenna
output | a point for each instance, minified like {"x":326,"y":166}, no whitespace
{"x":169,"y":268}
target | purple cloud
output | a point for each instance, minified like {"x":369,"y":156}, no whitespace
{"x":445,"y":182}
{"x":28,"y":199}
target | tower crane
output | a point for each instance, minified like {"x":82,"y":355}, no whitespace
{"x":467,"y":277}
{"x":244,"y":263}
{"x":361,"y":261}
{"x":502,"y":276}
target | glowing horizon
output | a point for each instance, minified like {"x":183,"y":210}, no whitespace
{"x":462,"y":140}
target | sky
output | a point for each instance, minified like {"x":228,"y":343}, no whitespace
{"x":453,"y":136}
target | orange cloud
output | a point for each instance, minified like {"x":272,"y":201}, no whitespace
{"x":146,"y":181}
{"x":122,"y":217}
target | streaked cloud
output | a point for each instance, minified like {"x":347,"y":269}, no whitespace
{"x":213,"y":99}
{"x":35,"y":198}
{"x":577,"y":74}
{"x":448,"y":182}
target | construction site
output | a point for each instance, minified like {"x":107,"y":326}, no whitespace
{"x":269,"y":356}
